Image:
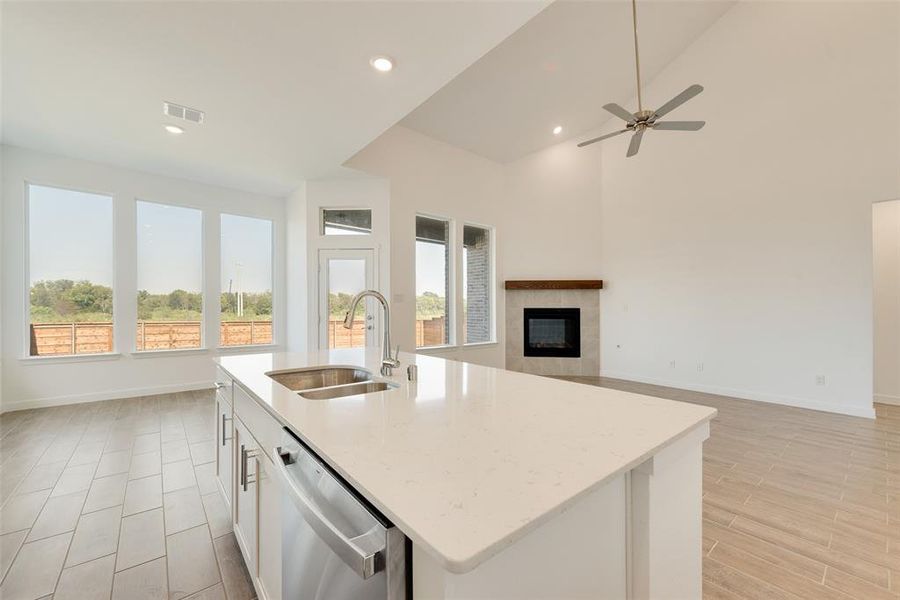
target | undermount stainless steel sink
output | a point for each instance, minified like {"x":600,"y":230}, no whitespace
{"x":320,"y":377}
{"x":354,"y":389}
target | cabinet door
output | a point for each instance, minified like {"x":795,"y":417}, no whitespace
{"x":269,"y":531}
{"x":224,"y":450}
{"x":245,"y":497}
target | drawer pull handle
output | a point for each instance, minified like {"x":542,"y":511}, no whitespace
{"x":245,"y":478}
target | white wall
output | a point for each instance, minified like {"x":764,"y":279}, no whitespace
{"x":29,"y":382}
{"x":297,"y":283}
{"x":886,"y":245}
{"x":746,"y":248}
{"x":552,"y":220}
{"x":430,"y":177}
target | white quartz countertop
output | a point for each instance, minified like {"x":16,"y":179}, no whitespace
{"x":469,"y":459}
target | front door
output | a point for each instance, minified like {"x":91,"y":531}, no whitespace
{"x":342,"y":274}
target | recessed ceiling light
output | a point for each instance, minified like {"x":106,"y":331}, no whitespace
{"x":557,"y":130}
{"x":174,"y":129}
{"x":382,"y":63}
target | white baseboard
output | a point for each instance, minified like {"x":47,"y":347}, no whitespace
{"x":853,"y":411}
{"x":887,"y":399}
{"x":108,"y":395}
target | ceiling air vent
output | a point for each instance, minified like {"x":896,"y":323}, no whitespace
{"x":177,"y":111}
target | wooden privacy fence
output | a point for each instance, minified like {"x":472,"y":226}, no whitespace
{"x":430,"y":332}
{"x":340,"y":337}
{"x":48,"y":339}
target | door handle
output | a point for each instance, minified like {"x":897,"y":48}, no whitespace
{"x":366,"y":562}
{"x":245,"y":478}
{"x":224,"y":438}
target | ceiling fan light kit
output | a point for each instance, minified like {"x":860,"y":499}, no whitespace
{"x":642,"y":120}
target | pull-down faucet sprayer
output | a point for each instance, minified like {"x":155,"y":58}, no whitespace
{"x":388,"y":362}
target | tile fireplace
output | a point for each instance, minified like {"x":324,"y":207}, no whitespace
{"x":553,"y":327}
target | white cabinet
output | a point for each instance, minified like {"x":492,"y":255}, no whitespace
{"x":224,"y":439}
{"x":246,"y":438}
{"x":269,"y":585}
{"x":246,"y":505}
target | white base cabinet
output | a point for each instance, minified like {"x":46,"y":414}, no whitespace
{"x":224,"y":446}
{"x":245,"y":440}
{"x":269,"y":533}
{"x":246,"y":504}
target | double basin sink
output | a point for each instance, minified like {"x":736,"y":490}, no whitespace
{"x":325,"y":383}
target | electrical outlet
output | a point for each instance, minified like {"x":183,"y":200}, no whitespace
{"x":820,"y":380}
{"x":700,"y":366}
{"x":672,"y":364}
{"x":624,"y":308}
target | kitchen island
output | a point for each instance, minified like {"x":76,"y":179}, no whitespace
{"x":508,"y":485}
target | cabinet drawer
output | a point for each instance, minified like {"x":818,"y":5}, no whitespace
{"x":224,"y":387}
{"x":263,"y":426}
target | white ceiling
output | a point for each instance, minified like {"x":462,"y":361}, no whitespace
{"x":287,"y":88}
{"x":560,"y":69}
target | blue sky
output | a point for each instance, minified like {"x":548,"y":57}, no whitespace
{"x":169,"y":248}
{"x":430,"y":268}
{"x":71,"y":237}
{"x":246,"y":253}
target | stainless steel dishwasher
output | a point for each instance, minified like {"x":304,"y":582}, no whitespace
{"x":334,"y":545}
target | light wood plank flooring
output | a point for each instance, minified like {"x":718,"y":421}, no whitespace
{"x":797,"y":503}
{"x":116,"y":500}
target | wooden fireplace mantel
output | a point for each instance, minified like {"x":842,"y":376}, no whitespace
{"x":554,"y":284}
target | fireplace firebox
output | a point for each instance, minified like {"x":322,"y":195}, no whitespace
{"x":553,"y":332}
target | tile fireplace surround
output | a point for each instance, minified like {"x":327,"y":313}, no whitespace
{"x":520,"y":296}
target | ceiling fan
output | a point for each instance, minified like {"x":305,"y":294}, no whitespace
{"x":643,"y":120}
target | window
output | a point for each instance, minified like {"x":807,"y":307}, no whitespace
{"x":70,"y":270}
{"x":346,"y":221}
{"x":433,"y":322}
{"x":246,"y":280}
{"x":477,"y":284}
{"x":169,"y":277}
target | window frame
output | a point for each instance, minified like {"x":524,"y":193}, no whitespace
{"x":321,"y":224}
{"x":492,"y":282}
{"x":272,"y":268}
{"x":26,"y":271}
{"x":203,"y":264}
{"x":452,"y":291}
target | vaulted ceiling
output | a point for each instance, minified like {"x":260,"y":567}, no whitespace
{"x":560,"y":69}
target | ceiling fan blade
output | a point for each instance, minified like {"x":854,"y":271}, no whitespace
{"x":602,"y":137}
{"x":678,"y":100}
{"x":679,"y":125}
{"x":635,"y":144}
{"x":619,"y":112}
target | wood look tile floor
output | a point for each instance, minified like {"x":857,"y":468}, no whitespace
{"x":796,"y":503}
{"x":116,"y":500}
{"x":98,"y":501}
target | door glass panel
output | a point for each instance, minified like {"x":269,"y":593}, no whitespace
{"x":346,"y":278}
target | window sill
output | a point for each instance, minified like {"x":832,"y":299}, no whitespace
{"x":427,"y":349}
{"x":480,"y":344}
{"x":173,"y":352}
{"x":69,"y":358}
{"x":247,"y":348}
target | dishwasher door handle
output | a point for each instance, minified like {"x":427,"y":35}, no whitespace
{"x":365,"y":564}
